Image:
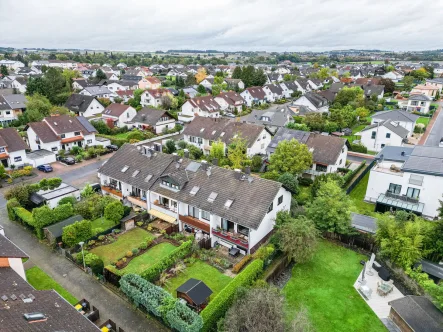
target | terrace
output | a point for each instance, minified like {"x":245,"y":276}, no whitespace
{"x":238,"y":238}
{"x":112,"y":191}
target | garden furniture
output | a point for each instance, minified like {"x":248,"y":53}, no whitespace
{"x":234,"y":252}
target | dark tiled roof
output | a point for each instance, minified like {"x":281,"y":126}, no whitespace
{"x":419,"y":313}
{"x":232,"y":98}
{"x":425,"y":160}
{"x":15,"y":101}
{"x":316,"y":99}
{"x":63,"y":124}
{"x":206,"y":104}
{"x":327,"y":149}
{"x":363,"y":223}
{"x":257,"y":92}
{"x":150,"y":116}
{"x":275,"y":88}
{"x":373,"y":89}
{"x":9,"y":249}
{"x":419,"y":97}
{"x":44,"y":132}
{"x":78,"y":103}
{"x":13,"y":140}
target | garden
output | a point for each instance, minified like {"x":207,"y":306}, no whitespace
{"x":14,"y":175}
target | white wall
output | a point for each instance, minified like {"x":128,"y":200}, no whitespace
{"x":17,"y":154}
{"x":408,"y":125}
{"x":17,"y":265}
{"x":32,"y":136}
{"x":54,"y":202}
{"x":260,"y":145}
{"x":94,"y":108}
{"x":380,"y":139}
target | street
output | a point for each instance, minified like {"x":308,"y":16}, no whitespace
{"x":437,"y":130}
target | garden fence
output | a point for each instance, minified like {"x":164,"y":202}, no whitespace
{"x":204,"y":244}
{"x":356,"y":181}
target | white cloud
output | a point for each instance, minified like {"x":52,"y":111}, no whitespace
{"x":277,"y":25}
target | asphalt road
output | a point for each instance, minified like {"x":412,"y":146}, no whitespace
{"x":437,"y":130}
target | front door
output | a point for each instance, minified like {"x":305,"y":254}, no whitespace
{"x":63,"y":147}
{"x":5,"y":162}
{"x":80,"y":143}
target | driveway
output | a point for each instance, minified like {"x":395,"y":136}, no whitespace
{"x":78,"y":283}
{"x":436,"y":132}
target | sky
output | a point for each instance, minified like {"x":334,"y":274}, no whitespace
{"x":227,"y":25}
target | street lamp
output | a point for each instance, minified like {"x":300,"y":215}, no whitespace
{"x":83,"y":254}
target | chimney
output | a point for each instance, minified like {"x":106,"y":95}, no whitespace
{"x":247,"y":170}
{"x":215,"y":162}
{"x":238,"y":173}
{"x":186,"y":153}
{"x":176,"y":156}
{"x":204,"y":165}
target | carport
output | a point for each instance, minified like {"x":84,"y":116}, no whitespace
{"x":40,"y":157}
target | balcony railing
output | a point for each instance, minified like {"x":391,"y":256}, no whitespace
{"x":197,"y":223}
{"x":165,"y":209}
{"x":401,"y":197}
{"x":235,"y":238}
{"x":137,"y":201}
{"x":113,"y":191}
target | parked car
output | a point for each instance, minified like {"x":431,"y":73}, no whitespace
{"x":229,"y":115}
{"x":96,"y":187}
{"x":45,"y":168}
{"x":68,"y":160}
{"x":112,"y":147}
{"x":441,"y":143}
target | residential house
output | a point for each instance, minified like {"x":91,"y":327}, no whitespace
{"x":196,"y":196}
{"x":273,"y":91}
{"x":149,"y":83}
{"x":273,"y":118}
{"x":315,"y":84}
{"x":419,"y":103}
{"x":119,"y":114}
{"x":153,"y":119}
{"x":80,"y":83}
{"x":373,"y":90}
{"x":234,"y":84}
{"x":153,"y":97}
{"x":387,"y":133}
{"x":230,"y":101}
{"x":122,"y":65}
{"x":394,"y":75}
{"x":274,"y":78}
{"x":112,"y":77}
{"x":207,"y":82}
{"x":27,"y":309}
{"x":303,"y":85}
{"x":199,"y":106}
{"x":254,"y":96}
{"x":12,"y":148}
{"x":14,"y":82}
{"x":403,"y":118}
{"x":328,"y":152}
{"x":190,"y":92}
{"x":64,"y":64}
{"x":84,"y":105}
{"x":116,"y":86}
{"x":96,"y":91}
{"x":427,"y":90}
{"x":408,"y":179}
{"x":314,"y":101}
{"x":437,"y":82}
{"x":289,"y":87}
{"x":61,"y":132}
{"x":125,"y":95}
{"x":11,"y":106}
{"x":202,"y":132}
{"x":11,"y":64}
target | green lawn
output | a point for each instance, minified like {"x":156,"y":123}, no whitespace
{"x":102,"y":223}
{"x":149,"y":258}
{"x":212,"y":277}
{"x":41,"y":281}
{"x":122,"y":135}
{"x":325,"y":287}
{"x":424,"y":120}
{"x":355,"y":130}
{"x":131,"y":239}
{"x":358,"y":195}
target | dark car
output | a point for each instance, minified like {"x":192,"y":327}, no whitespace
{"x":68,"y":160}
{"x":96,"y":187}
{"x":112,"y":147}
{"x":45,"y":168}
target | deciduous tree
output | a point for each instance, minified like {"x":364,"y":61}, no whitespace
{"x":237,"y":152}
{"x":290,"y":157}
{"x":201,"y":75}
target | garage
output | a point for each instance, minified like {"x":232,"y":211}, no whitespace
{"x":40,"y":157}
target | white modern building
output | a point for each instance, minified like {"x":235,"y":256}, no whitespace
{"x":387,"y":133}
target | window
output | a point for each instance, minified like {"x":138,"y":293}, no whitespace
{"x":340,"y":161}
{"x":383,"y":145}
{"x":206,"y":215}
{"x":321,"y":168}
{"x":271,"y":207}
{"x":17,"y":159}
{"x":388,"y":135}
{"x":8,"y":112}
{"x":280,"y":200}
{"x":169,"y":184}
{"x":199,"y":140}
{"x":394,"y":188}
{"x":192,"y":139}
{"x":54,"y":149}
{"x":127,"y":115}
{"x":373,"y":135}
{"x":413,"y":193}
{"x":89,"y":141}
{"x":77,"y":133}
{"x":62,"y":135}
{"x":2,"y":150}
{"x":193,"y":211}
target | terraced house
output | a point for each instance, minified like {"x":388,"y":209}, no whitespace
{"x":232,"y":207}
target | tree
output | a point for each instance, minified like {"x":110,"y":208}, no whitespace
{"x":407,"y":82}
{"x":362,"y":112}
{"x":344,"y":117}
{"x":59,"y":110}
{"x":37,"y":107}
{"x":437,"y":95}
{"x":104,"y":101}
{"x":314,"y":121}
{"x":35,"y":85}
{"x":389,"y":85}
{"x":166,"y":102}
{"x":114,"y":211}
{"x":237,"y":73}
{"x":69,"y":75}
{"x":4,"y":70}
{"x":347,"y":95}
{"x":190,"y":80}
{"x":331,"y":209}
{"x":290,"y":157}
{"x":87,"y":191}
{"x":248,"y":76}
{"x":259,"y":78}
{"x":237,"y":152}
{"x":298,"y":239}
{"x":323,"y":73}
{"x":201,"y":75}
{"x":289,"y":181}
{"x":216,"y":89}
{"x":256,"y":309}
{"x":170,"y":146}
{"x":201,"y":89}
{"x":55,"y":86}
{"x":100,"y":75}
{"x":217,"y":150}
{"x":420,"y":74}
{"x":136,"y":101}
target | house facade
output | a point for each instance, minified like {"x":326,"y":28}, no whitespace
{"x":153,"y":97}
{"x":419,"y":103}
{"x":205,"y":106}
{"x":12,"y":148}
{"x":405,"y":119}
{"x":119,"y":114}
{"x":314,"y":101}
{"x":230,"y":101}
{"x":254,"y":96}
{"x":387,"y":133}
{"x":153,"y":119}
{"x":11,"y":106}
{"x":83,"y":105}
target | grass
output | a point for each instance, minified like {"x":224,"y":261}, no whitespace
{"x":212,"y":277}
{"x":325,"y":287}
{"x":358,"y":195}
{"x":149,"y":258}
{"x":122,"y":135}
{"x":355,"y":130}
{"x":131,"y":239}
{"x":102,"y":223}
{"x":41,"y":281}
{"x":424,"y":120}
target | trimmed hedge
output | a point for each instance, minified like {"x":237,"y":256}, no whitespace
{"x":349,"y":176}
{"x":245,"y":260}
{"x":10,"y":205}
{"x":44,"y":216}
{"x":359,"y":148}
{"x":24,"y":215}
{"x":218,"y":306}
{"x":153,"y":273}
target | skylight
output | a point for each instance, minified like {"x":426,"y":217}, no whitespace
{"x":149,"y":177}
{"x":212,"y":197}
{"x":125,"y":168}
{"x":228,"y":203}
{"x":214,"y":132}
{"x":202,"y":130}
{"x":222,"y":134}
{"x":194,"y":190}
{"x":135,"y":173}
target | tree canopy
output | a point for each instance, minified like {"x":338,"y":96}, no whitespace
{"x":290,"y":157}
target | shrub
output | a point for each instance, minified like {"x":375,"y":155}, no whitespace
{"x":24,"y":215}
{"x":136,"y":135}
{"x":240,"y":265}
{"x":139,"y":223}
{"x":101,"y":237}
{"x":67,"y":200}
{"x":91,"y":242}
{"x":129,"y":254}
{"x":78,"y":158}
{"x":217,"y":308}
{"x":143,"y":245}
{"x":135,"y":251}
{"x":77,"y":232}
{"x":124,"y":259}
{"x":264,"y":252}
{"x":359,"y":148}
{"x":306,"y":182}
{"x":350,"y":176}
{"x":153,"y":272}
{"x":10,"y":205}
{"x":183,"y":318}
{"x":114,"y":211}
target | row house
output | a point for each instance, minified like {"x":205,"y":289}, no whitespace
{"x":149,"y":83}
{"x":273,"y":91}
{"x":96,"y":91}
{"x":153,"y":119}
{"x":205,"y":106}
{"x":196,"y":196}
{"x":11,"y":64}
{"x":83,"y":105}
{"x":254,"y":96}
{"x":120,"y":115}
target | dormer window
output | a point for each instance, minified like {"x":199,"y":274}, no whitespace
{"x":77,"y":133}
{"x":2,"y":150}
{"x":62,"y":135}
{"x":169,"y":184}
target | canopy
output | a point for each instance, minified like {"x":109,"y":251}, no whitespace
{"x":162,"y":216}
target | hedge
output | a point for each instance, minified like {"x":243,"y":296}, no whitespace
{"x":153,"y":273}
{"x":160,"y":303}
{"x":10,"y":205}
{"x":114,"y":140}
{"x":24,"y":215}
{"x":44,"y":216}
{"x":349,"y":176}
{"x":359,"y":148}
{"x":245,"y":260}
{"x":218,"y":306}
{"x":77,"y":232}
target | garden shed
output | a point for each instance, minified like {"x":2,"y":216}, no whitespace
{"x":54,"y":232}
{"x":52,"y":196}
{"x":195,"y":293}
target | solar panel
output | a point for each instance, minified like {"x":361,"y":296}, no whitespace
{"x":193,"y":167}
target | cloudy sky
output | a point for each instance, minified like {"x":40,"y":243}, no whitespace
{"x":268,"y":25}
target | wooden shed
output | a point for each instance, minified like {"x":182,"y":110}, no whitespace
{"x":195,"y":293}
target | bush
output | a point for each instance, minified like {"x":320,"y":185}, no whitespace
{"x":24,"y":215}
{"x":129,"y":254}
{"x":135,"y":251}
{"x":264,"y":252}
{"x":153,"y":272}
{"x":10,"y":205}
{"x":306,"y":182}
{"x":91,"y":242}
{"x":136,"y":134}
{"x":239,"y":266}
{"x":218,"y":306}
{"x":350,"y":176}
{"x":77,"y":232}
{"x":359,"y":148}
{"x":67,"y":200}
{"x":183,"y":318}
{"x":101,"y":237}
{"x":143,"y":245}
{"x":114,"y":211}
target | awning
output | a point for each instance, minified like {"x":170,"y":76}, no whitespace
{"x":162,"y":216}
{"x":399,"y":203}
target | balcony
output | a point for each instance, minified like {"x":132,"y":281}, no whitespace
{"x":235,"y":238}
{"x":113,"y":191}
{"x":401,"y":197}
{"x":194,"y":222}
{"x":164,"y":208}
{"x":139,"y":201}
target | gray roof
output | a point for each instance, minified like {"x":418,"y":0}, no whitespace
{"x":57,"y":229}
{"x":279,"y":116}
{"x":287,"y":134}
{"x":78,"y":103}
{"x":34,"y":155}
{"x":419,"y":97}
{"x":16,"y":101}
{"x":419,"y":313}
{"x":86,"y":124}
{"x":394,"y":153}
{"x":394,"y":127}
{"x":258,"y":194}
{"x":97,"y":90}
{"x":150,"y":116}
{"x":431,"y":268}
{"x":373,"y":89}
{"x":196,"y":289}
{"x":396,"y":115}
{"x":62,"y":190}
{"x":9,"y":249}
{"x":316,"y":99}
{"x":425,"y":160}
{"x":363,"y":223}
